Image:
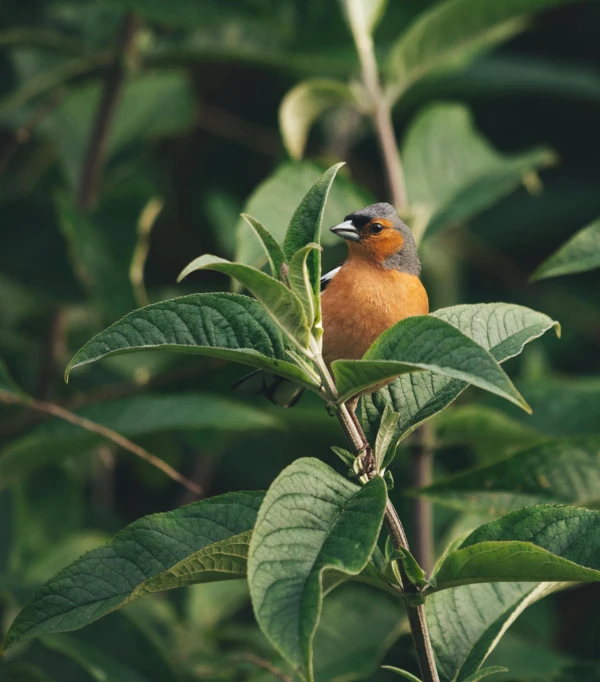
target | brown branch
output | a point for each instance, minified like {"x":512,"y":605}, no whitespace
{"x":357,"y":439}
{"x":96,"y":151}
{"x":264,"y":664}
{"x":60,"y":412}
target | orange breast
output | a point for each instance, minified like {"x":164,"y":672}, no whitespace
{"x":361,"y":302}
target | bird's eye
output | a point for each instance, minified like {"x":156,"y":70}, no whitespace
{"x":376,"y":228}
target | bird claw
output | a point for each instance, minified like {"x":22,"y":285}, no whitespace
{"x":331,"y":409}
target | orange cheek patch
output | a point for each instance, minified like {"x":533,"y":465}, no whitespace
{"x":384,"y":245}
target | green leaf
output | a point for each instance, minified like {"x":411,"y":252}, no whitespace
{"x":273,"y":202}
{"x":452,"y":33}
{"x":487,"y":431}
{"x":485,"y":672}
{"x":579,"y":254}
{"x":299,"y":280}
{"x":271,"y":246}
{"x":403,"y":673}
{"x":385,"y":437}
{"x":305,"y":225}
{"x":363,"y":15}
{"x":466,"y":623}
{"x":130,"y":565}
{"x":94,"y":263}
{"x":132,"y":417}
{"x":452,"y":171}
{"x":566,"y":470}
{"x":344,"y":648}
{"x":152,"y":105}
{"x":429,"y":343}
{"x":280,"y":303}
{"x":227,"y":326}
{"x":540,"y":543}
{"x":7,"y":383}
{"x":501,"y":328}
{"x":304,"y":104}
{"x":98,"y":664}
{"x":312,"y":519}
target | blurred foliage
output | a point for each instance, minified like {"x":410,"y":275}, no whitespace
{"x":501,"y":154}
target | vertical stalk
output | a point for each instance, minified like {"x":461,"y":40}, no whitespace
{"x":416,"y":614}
{"x":381,"y":113}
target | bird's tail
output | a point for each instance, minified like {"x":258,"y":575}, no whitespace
{"x":278,"y":390}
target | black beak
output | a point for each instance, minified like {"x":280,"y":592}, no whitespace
{"x":346,"y":230}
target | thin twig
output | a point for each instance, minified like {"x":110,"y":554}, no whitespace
{"x":264,"y":664}
{"x":423,"y":511}
{"x":104,"y":431}
{"x":96,"y":151}
{"x":142,"y":247}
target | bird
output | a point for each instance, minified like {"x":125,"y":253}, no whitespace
{"x":377,"y":285}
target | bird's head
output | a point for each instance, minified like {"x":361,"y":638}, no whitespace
{"x":377,"y":234}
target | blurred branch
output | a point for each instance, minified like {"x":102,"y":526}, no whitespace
{"x":41,"y":38}
{"x":109,"y":392}
{"x":262,"y":663}
{"x":47,"y":81}
{"x":223,"y":123}
{"x":24,"y":133}
{"x":52,"y":349}
{"x":61,"y":413}
{"x":96,"y":151}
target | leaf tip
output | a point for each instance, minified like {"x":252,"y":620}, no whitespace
{"x":557,"y":329}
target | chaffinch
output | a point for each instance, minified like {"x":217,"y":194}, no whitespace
{"x":377,"y":286}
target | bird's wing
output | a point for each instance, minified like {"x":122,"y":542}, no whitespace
{"x":328,"y":277}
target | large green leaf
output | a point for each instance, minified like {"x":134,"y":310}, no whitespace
{"x":452,"y":171}
{"x":501,"y":328}
{"x":580,"y":253}
{"x":426,"y":343}
{"x":281,"y":304}
{"x":344,"y":649}
{"x":220,"y":325}
{"x":132,"y":563}
{"x":451,"y":33}
{"x":132,"y":417}
{"x":304,"y":104}
{"x":312,"y":519}
{"x":305,"y":226}
{"x":273,"y":202}
{"x":466,"y":623}
{"x":566,"y":470}
{"x":540,"y":543}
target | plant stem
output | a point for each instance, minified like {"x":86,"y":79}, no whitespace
{"x":96,"y":151}
{"x":423,"y":468}
{"x":381,"y":113}
{"x":357,"y":439}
